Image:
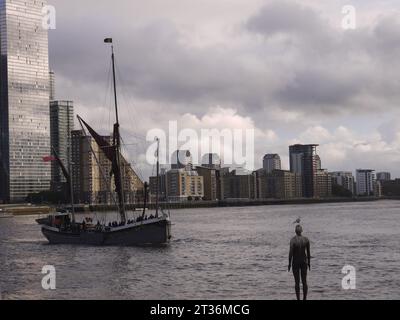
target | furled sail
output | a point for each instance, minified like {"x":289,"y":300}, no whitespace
{"x":110,"y":151}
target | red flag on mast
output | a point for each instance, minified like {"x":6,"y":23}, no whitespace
{"x":49,"y":159}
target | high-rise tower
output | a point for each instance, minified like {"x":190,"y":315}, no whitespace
{"x":303,"y":160}
{"x":272,"y":162}
{"x":61,"y":125}
{"x":24,"y":100}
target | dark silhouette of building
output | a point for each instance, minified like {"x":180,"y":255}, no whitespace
{"x":210,"y":182}
{"x":61,"y":125}
{"x":212,"y":161}
{"x":162,"y":186}
{"x":303,"y":161}
{"x":272,"y":162}
{"x":391,"y":188}
{"x":278,"y":184}
{"x":383,"y":176}
{"x":345,"y":180}
{"x":238,"y":184}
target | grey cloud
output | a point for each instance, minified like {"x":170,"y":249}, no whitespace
{"x":387,"y":36}
{"x":320,"y":88}
{"x":390,"y":130}
{"x":284,"y":55}
{"x":284,"y":17}
{"x":155,"y":64}
{"x":336,"y":71}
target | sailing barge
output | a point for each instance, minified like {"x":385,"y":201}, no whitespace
{"x":62,"y":228}
{"x":156,"y":231}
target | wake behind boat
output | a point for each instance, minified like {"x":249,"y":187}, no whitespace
{"x":62,"y":228}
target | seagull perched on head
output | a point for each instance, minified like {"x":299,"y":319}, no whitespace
{"x":297,"y":221}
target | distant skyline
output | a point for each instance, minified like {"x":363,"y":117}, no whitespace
{"x":285,"y":68}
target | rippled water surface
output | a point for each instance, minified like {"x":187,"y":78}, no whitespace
{"x":225,"y":253}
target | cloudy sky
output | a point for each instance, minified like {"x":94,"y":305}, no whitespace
{"x":288,"y":69}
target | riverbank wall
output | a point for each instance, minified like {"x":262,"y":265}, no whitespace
{"x":19,"y":210}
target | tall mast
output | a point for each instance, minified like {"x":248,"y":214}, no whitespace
{"x":118,"y":145}
{"x":71,"y":190}
{"x":115,"y":91}
{"x":158,"y":176}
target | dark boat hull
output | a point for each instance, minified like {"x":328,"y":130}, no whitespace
{"x":150,"y":233}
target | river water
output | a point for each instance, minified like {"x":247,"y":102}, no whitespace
{"x":222,"y":253}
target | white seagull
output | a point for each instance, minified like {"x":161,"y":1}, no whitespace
{"x":297,"y":221}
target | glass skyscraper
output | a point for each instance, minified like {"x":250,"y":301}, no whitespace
{"x":303,"y":160}
{"x":24,"y":100}
{"x":52,"y":85}
{"x":61,"y":125}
